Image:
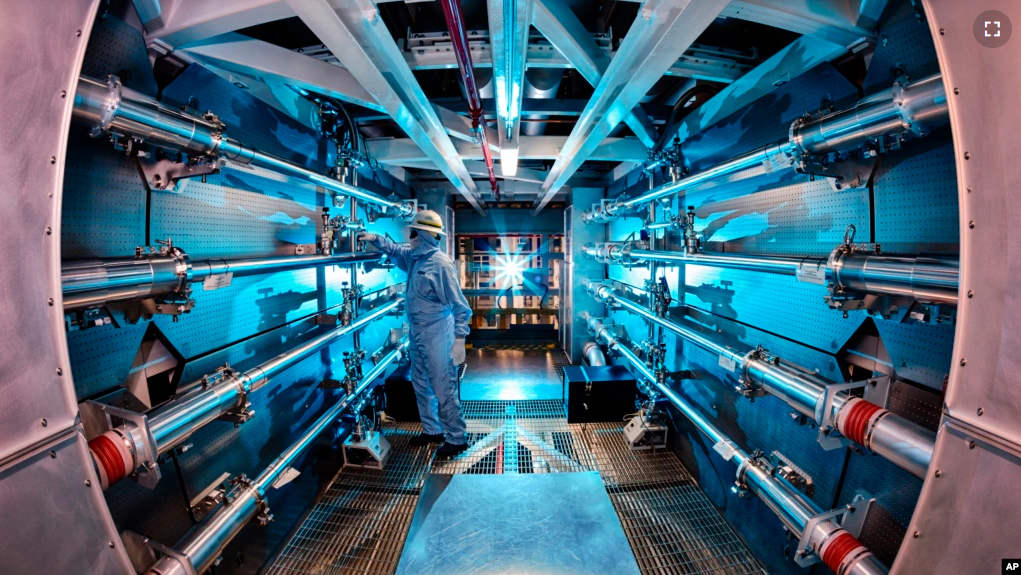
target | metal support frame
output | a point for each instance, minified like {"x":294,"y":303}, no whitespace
{"x":662,"y":32}
{"x":756,"y":475}
{"x":561,"y":27}
{"x":823,"y":142}
{"x":357,"y":35}
{"x":902,"y":442}
{"x":202,"y":546}
{"x":222,"y":394}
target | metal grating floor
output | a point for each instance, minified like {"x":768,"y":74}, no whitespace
{"x":360,"y":524}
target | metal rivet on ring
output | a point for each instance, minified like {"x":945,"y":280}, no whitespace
{"x":980,"y":411}
{"x":957,"y":90}
{"x":964,"y":362}
{"x":43,"y":422}
{"x":971,"y":294}
{"x":971,"y":224}
{"x":967,"y":156}
{"x":60,"y":371}
{"x":938,"y":473}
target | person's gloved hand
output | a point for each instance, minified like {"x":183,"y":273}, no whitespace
{"x":366,"y":237}
{"x":458,"y":352}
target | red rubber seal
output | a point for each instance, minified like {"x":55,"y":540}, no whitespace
{"x":109,"y":457}
{"x":857,"y":422}
{"x":838,"y":550}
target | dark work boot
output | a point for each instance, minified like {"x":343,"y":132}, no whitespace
{"x":423,"y":439}
{"x":450,"y":449}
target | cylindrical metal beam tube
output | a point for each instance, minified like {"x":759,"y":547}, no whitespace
{"x":272,"y":264}
{"x":747,"y":160}
{"x":916,"y":107}
{"x":175,"y":421}
{"x":593,"y":355}
{"x":109,"y":107}
{"x":261,"y":375}
{"x":206,"y":541}
{"x":903,"y":443}
{"x":924,"y":279}
{"x":606,"y":294}
{"x":841,"y":551}
{"x":95,"y":283}
{"x":888,"y":434}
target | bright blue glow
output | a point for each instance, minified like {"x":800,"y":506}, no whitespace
{"x":510,"y":270}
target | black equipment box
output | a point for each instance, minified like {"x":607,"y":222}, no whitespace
{"x":599,"y":393}
{"x":400,"y":395}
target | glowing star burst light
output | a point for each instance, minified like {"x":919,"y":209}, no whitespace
{"x":510,"y":268}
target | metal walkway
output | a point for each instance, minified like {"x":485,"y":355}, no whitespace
{"x":360,"y":524}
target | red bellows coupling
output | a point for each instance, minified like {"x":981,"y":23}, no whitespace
{"x":854,"y":419}
{"x":839,"y":547}
{"x":112,"y":456}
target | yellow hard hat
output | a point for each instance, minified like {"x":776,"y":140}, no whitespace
{"x":428,"y":221}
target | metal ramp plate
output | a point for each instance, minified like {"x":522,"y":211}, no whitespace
{"x":555,"y":523}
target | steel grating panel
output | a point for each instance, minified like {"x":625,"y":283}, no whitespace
{"x":360,"y":523}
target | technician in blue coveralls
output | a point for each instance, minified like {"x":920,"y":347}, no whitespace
{"x":438,"y":313}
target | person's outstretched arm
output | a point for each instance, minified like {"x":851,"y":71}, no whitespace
{"x":399,"y":253}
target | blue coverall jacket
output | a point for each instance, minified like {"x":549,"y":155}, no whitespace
{"x":438,"y":313}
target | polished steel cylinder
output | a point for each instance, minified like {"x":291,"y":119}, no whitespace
{"x":606,"y":295}
{"x":924,"y":279}
{"x":799,"y":389}
{"x":109,"y":107}
{"x":176,"y":420}
{"x":261,"y":375}
{"x":755,"y":158}
{"x":593,"y":355}
{"x":783,"y":265}
{"x":273,"y":264}
{"x":917,"y":107}
{"x":902,"y":442}
{"x":206,"y":541}
{"x":793,"y":508}
{"x":179,"y":418}
{"x":95,"y":283}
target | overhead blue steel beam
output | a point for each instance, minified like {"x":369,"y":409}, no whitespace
{"x":555,"y":20}
{"x":509,"y":23}
{"x":797,"y":58}
{"x":832,"y":20}
{"x":275,"y":65}
{"x":661,"y":33}
{"x":358,"y":37}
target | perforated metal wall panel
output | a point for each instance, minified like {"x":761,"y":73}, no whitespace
{"x":240,"y":212}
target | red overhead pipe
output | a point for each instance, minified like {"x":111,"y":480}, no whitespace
{"x":458,"y":37}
